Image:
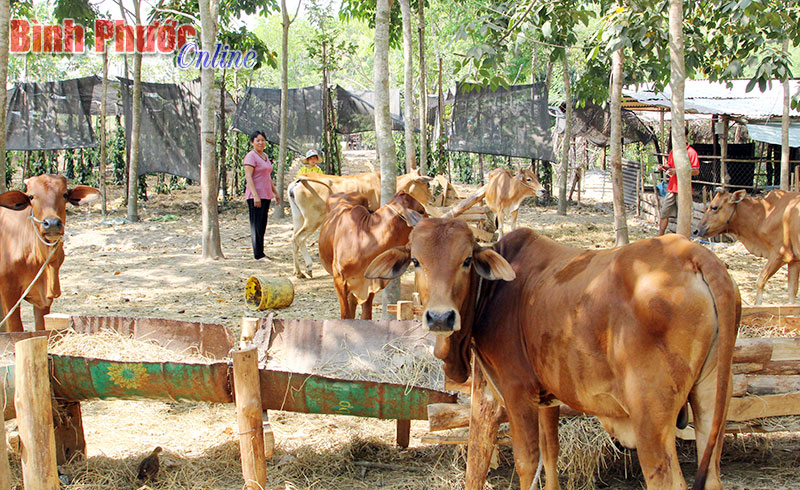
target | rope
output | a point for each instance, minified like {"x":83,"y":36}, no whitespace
{"x":53,"y":247}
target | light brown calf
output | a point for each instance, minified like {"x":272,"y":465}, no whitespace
{"x":505,"y":193}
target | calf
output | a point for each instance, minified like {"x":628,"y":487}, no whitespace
{"x":351,"y":237}
{"x":505,"y":193}
{"x":27,"y":239}
{"x":768,"y":227}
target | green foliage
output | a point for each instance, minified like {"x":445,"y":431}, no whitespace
{"x":116,"y":154}
{"x":365,"y":10}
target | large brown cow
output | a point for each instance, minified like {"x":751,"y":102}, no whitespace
{"x":505,"y":193}
{"x":768,"y":227}
{"x":28,"y":238}
{"x":628,"y":335}
{"x":309,"y":194}
{"x":351,"y":237}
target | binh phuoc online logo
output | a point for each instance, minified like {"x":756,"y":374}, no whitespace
{"x":169,"y":37}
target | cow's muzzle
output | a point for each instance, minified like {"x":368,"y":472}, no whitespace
{"x":52,"y":226}
{"x":441,"y":322}
{"x":700,"y":231}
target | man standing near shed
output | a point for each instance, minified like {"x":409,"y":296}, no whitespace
{"x":669,"y":207}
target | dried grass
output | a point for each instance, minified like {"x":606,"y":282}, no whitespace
{"x":586,"y":450}
{"x":114,"y":346}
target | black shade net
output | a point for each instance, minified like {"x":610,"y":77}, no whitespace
{"x":592,"y":122}
{"x":511,"y":121}
{"x":169,"y":138}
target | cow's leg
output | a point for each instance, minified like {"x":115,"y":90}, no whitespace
{"x":702,"y":400}
{"x":8,"y":299}
{"x":38,"y":315}
{"x":299,"y":244}
{"x":773,"y":264}
{"x":514,"y":219}
{"x":366,"y":307}
{"x":794,"y":273}
{"x":549,"y":446}
{"x":655,"y":447}
{"x":500,"y":218}
{"x":343,"y":295}
{"x":523,"y":420}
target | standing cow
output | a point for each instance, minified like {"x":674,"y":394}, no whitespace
{"x":628,"y":335}
{"x":27,"y":239}
{"x":768,"y":227}
{"x":351,"y":237}
{"x":505,"y":193}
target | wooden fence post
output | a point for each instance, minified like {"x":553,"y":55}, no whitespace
{"x":405,"y":311}
{"x":249,"y":327}
{"x":247,"y":393}
{"x":35,"y":415}
{"x":5,"y":471}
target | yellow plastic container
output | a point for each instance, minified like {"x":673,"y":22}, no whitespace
{"x":264,"y":293}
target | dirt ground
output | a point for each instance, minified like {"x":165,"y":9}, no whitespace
{"x":153,"y":268}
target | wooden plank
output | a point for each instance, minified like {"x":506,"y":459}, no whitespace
{"x":780,"y":368}
{"x":739,"y":385}
{"x":481,"y":235}
{"x":460,"y":438}
{"x":756,"y":350}
{"x":56,"y":321}
{"x":759,"y":384}
{"x":747,"y":367}
{"x":778,"y":310}
{"x":785,"y":348}
{"x":754,"y":407}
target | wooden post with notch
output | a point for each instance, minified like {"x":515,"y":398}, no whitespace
{"x":249,"y":327}
{"x":35,"y":415}
{"x":247,"y":394}
{"x":405,"y":311}
{"x":485,"y":414}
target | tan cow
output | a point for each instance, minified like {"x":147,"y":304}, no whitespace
{"x":505,"y":193}
{"x":768,"y":227}
{"x":351,"y":237}
{"x":308,"y":196}
{"x":628,"y":334}
{"x":27,"y":239}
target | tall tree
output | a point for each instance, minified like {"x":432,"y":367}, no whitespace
{"x":785,"y":149}
{"x":286,"y":22}
{"x":5,"y":18}
{"x":212,"y":248}
{"x":423,"y":93}
{"x":383,"y":124}
{"x":408,"y":84}
{"x":563,"y":169}
{"x":136,"y":120}
{"x":680,"y":154}
{"x":615,"y":141}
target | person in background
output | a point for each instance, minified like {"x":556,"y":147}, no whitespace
{"x":669,"y":208}
{"x":260,"y":190}
{"x":310,"y":163}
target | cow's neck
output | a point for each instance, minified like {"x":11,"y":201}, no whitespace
{"x":750,"y":211}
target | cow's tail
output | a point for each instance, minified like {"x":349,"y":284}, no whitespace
{"x":728,"y":309}
{"x":297,"y":213}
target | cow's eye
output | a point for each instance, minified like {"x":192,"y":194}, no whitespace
{"x":30,"y":196}
{"x":714,"y":208}
{"x":66,"y":195}
{"x":415,"y":262}
{"x":467,"y":261}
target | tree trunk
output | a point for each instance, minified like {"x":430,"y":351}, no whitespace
{"x":677,"y":84}
{"x":283,"y":137}
{"x":103,"y":138}
{"x":564,"y":168}
{"x":785,"y":167}
{"x":423,"y":95}
{"x":620,"y":220}
{"x":133,"y":169}
{"x":408,"y":85}
{"x":212,"y":248}
{"x":330,"y":157}
{"x":5,"y":16}
{"x":383,"y":126}
{"x":222,"y":181}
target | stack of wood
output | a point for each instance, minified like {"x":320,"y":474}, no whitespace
{"x":448,"y":204}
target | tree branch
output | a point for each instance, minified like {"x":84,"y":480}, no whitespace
{"x":177,"y":12}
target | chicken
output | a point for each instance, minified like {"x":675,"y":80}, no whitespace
{"x":148,"y":468}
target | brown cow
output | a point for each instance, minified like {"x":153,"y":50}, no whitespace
{"x":768,"y":227}
{"x":308,"y":196}
{"x":28,"y":238}
{"x":351,"y":237}
{"x":628,"y":335}
{"x":505,"y":194}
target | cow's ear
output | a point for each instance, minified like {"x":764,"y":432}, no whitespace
{"x":412,"y":217}
{"x":15,"y":200}
{"x":390,"y":264}
{"x":491,"y":265}
{"x":738,"y":196}
{"x":82,"y":194}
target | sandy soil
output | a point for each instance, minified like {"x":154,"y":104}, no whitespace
{"x":154,"y":268}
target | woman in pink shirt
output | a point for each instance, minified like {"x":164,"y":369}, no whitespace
{"x":259,"y":191}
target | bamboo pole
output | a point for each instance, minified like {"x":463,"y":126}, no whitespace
{"x":35,"y":415}
{"x":247,"y":393}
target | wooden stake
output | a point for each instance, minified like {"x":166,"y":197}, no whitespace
{"x":5,"y":472}
{"x":56,"y":321}
{"x":405,"y":311}
{"x":247,"y":393}
{"x":484,"y":423}
{"x":35,"y":415}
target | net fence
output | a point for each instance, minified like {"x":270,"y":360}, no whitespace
{"x":592,"y":122}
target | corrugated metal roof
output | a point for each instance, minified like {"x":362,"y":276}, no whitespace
{"x":704,"y":97}
{"x":771,"y":133}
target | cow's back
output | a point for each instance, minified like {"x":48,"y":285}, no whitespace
{"x":498,"y":188}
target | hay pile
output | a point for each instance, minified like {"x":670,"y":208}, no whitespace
{"x":113,"y":346}
{"x":586,"y":451}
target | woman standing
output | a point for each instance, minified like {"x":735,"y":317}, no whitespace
{"x":260,"y":190}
